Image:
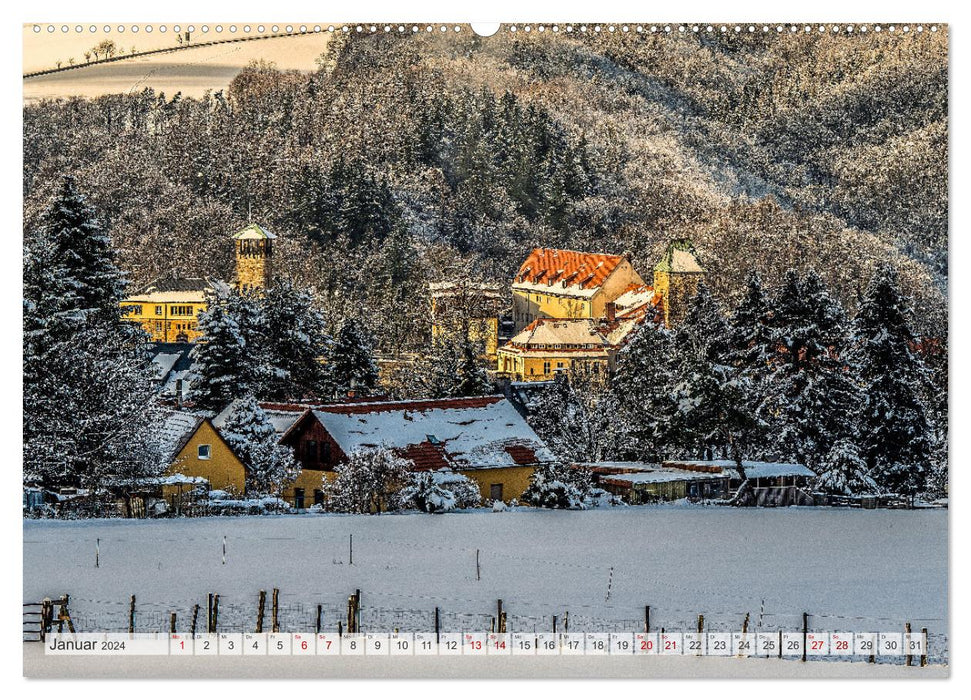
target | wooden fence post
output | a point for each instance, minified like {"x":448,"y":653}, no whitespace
{"x":260,"y":610}
{"x":554,"y":624}
{"x":276,"y":609}
{"x":320,"y":609}
{"x":195,"y":617}
{"x":805,"y":632}
{"x":701,"y":624}
{"x":647,"y":619}
{"x":498,"y":616}
{"x":923,"y":656}
{"x":910,"y":659}
{"x":209,"y":616}
{"x":745,"y":624}
{"x":172,"y":623}
{"x":437,"y":626}
{"x":215,"y":612}
{"x":131,"y":615}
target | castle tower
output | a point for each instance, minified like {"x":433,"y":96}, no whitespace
{"x":676,"y":280}
{"x":254,"y":258}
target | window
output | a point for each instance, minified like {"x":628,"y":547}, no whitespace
{"x":318,"y":497}
{"x":298,"y":499}
{"x":205,"y":451}
{"x":325,"y":452}
{"x":159,"y":310}
{"x":134,"y":310}
{"x":158,"y":326}
{"x":495,"y":492}
{"x":310,"y":450}
{"x":546,"y":368}
{"x":559,"y":365}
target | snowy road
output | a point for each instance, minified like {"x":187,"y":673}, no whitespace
{"x":852,"y":570}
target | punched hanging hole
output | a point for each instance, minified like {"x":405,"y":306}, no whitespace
{"x":485,"y":28}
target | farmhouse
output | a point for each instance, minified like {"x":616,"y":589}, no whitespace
{"x":483,"y":438}
{"x":195,"y":449}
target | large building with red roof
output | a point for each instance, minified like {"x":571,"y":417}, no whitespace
{"x":482,"y":437}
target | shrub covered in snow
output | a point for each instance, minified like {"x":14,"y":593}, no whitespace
{"x":372,"y":480}
{"x":844,"y":472}
{"x":558,"y":486}
{"x":441,"y":491}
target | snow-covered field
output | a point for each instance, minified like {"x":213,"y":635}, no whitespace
{"x":852,"y":570}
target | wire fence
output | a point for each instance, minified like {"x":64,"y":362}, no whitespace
{"x":299,"y":613}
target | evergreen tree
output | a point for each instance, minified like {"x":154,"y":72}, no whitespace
{"x":351,"y":366}
{"x":83,"y":249}
{"x":642,"y":385}
{"x":89,"y":413}
{"x":293,"y":343}
{"x":223,"y":364}
{"x":700,"y":375}
{"x":810,"y":394}
{"x":270,"y":466}
{"x":843,"y":471}
{"x":748,"y":355}
{"x":893,"y":432}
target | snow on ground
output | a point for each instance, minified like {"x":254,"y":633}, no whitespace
{"x":852,"y":570}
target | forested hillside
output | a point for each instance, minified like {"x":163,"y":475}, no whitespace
{"x":406,"y":159}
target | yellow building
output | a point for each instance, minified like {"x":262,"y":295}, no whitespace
{"x":168,"y":309}
{"x":254,"y":258}
{"x":549,"y":346}
{"x":465,"y":308}
{"x":555,"y":283}
{"x":676,"y":279}
{"x":198,"y":450}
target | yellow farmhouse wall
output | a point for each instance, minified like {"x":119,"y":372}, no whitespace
{"x":223,"y":469}
{"x":514,"y":480}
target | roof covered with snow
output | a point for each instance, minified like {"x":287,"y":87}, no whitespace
{"x":661,"y":476}
{"x":177,"y":428}
{"x":282,"y":419}
{"x":465,"y":433}
{"x":254,"y":232}
{"x":568,"y":272}
{"x":573,"y":334}
{"x":753,"y":470}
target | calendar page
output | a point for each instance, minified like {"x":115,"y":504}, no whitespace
{"x":514,"y":350}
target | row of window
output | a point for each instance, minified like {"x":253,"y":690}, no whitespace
{"x":136,"y":310}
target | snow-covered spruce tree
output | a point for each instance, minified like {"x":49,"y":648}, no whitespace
{"x":224,"y":364}
{"x":293,"y":340}
{"x":893,"y":431}
{"x":749,"y":350}
{"x":372,"y":480}
{"x":557,"y":486}
{"x":270,"y":466}
{"x":351,"y":366}
{"x":89,"y":413}
{"x":700,"y":374}
{"x":440,"y":491}
{"x":843,"y":471}
{"x":642,"y":388}
{"x":83,"y":248}
{"x":576,"y":417}
{"x":811,"y":396}
{"x":450,"y":366}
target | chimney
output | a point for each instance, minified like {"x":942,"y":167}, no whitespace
{"x":611,"y":310}
{"x":178,"y":393}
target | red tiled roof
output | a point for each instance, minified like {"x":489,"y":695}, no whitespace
{"x":521,"y":454}
{"x":413,"y":405}
{"x":570,"y":267}
{"x":425,"y":456}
